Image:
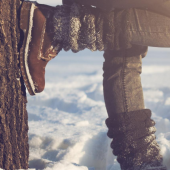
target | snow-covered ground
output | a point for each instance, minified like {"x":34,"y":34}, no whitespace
{"x":67,"y":121}
{"x":67,"y":128}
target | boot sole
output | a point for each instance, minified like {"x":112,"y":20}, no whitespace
{"x":27,"y":11}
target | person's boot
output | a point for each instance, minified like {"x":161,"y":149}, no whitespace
{"x":134,"y":141}
{"x":38,"y":48}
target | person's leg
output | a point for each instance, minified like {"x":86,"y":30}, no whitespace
{"x":129,"y":123}
{"x":122,"y":85}
{"x":78,"y":27}
{"x":148,"y":28}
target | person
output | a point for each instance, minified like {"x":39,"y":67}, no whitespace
{"x":123,"y":30}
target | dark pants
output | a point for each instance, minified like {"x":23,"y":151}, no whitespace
{"x":122,"y":83}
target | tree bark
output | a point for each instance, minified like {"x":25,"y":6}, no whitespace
{"x":14,"y":148}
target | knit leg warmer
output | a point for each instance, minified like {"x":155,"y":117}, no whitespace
{"x":77,"y":27}
{"x":134,"y":141}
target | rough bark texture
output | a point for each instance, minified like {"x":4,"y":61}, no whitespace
{"x":14,"y":148}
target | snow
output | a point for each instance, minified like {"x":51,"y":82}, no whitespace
{"x":67,"y":128}
{"x":67,"y":120}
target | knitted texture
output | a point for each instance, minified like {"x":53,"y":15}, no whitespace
{"x":134,"y":141}
{"x":77,"y":27}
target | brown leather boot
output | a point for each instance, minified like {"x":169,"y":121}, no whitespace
{"x":38,"y":47}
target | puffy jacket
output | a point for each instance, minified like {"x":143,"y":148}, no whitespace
{"x":158,"y":6}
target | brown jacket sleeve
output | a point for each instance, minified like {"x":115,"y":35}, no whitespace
{"x":108,"y":5}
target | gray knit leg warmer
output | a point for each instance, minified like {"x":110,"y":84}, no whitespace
{"x":79,"y":27}
{"x":134,"y":141}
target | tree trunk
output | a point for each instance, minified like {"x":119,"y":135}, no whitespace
{"x":14,"y":148}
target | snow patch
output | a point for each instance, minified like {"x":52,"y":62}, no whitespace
{"x":67,"y":120}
